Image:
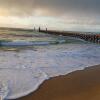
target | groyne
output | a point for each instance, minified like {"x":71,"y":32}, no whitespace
{"x":87,"y":36}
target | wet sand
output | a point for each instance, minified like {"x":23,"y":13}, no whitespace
{"x":78,"y":85}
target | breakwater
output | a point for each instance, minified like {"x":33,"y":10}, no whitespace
{"x":87,"y":36}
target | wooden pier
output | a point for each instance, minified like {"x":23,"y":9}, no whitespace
{"x":87,"y":36}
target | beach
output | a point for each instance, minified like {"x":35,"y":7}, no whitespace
{"x":45,"y":72}
{"x":78,"y":85}
{"x":47,"y":67}
{"x":49,"y":49}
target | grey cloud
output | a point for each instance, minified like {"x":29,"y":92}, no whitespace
{"x":79,"y":9}
{"x":53,"y":6}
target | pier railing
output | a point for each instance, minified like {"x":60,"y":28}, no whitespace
{"x":87,"y":36}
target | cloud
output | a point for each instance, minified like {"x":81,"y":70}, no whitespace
{"x":51,"y":7}
{"x":53,"y":13}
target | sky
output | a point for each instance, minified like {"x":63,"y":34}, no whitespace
{"x":73,"y":15}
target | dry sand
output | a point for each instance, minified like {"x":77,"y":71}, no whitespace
{"x":78,"y":85}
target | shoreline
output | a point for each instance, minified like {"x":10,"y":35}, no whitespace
{"x":77,"y":85}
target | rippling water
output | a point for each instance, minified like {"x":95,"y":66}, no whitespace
{"x":31,"y":38}
{"x":29,"y":58}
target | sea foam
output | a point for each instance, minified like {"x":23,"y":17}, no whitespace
{"x":25,"y":70}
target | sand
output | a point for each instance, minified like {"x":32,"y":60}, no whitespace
{"x":78,"y":85}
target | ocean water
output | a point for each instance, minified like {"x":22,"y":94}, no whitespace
{"x":22,"y":71}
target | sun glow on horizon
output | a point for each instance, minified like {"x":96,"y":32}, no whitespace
{"x":3,"y":12}
{"x":38,"y":18}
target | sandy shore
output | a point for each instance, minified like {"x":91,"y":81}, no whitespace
{"x":78,"y":85}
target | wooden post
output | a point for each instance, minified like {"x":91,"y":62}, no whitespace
{"x":39,"y":29}
{"x":46,"y":30}
{"x":97,"y":39}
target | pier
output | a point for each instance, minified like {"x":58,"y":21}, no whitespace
{"x":87,"y":36}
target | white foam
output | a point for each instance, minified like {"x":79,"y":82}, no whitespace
{"x":26,"y":70}
{"x":23,"y":43}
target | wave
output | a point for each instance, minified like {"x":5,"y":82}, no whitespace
{"x":41,"y":43}
{"x":24,"y":71}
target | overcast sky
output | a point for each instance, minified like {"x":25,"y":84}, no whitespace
{"x":56,"y":14}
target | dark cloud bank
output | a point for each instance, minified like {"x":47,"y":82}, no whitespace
{"x":54,"y":7}
{"x":69,"y":12}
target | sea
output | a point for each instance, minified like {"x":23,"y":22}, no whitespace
{"x":28,"y":58}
